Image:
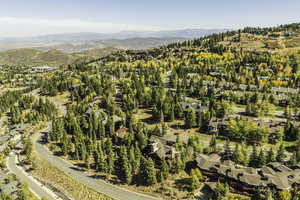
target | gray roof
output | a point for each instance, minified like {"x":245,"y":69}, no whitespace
{"x":195,"y":106}
{"x":280,"y":167}
{"x":282,"y":178}
{"x":251,"y":179}
{"x":281,"y":182}
{"x":10,"y":187}
{"x":170,"y":137}
{"x":207,"y":162}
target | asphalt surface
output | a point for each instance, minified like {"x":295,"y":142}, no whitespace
{"x":97,"y":184}
{"x":36,"y":187}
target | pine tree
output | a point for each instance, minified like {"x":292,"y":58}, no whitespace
{"x":190,"y":118}
{"x":138,"y":157}
{"x":179,"y":165}
{"x":148,"y":172}
{"x":172,"y":115}
{"x":281,"y":154}
{"x":126,"y":169}
{"x":227,"y":151}
{"x":237,"y":156}
{"x":195,"y":183}
{"x":270,"y":156}
{"x":254,"y":160}
{"x":213,"y":144}
{"x":221,"y":191}
{"x":245,"y":155}
{"x":161,"y":117}
{"x":261,"y":158}
{"x":164,"y":170}
{"x":293,"y":159}
{"x":199,"y":119}
{"x":102,"y":165}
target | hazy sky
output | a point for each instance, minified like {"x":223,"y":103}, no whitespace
{"x":36,"y":17}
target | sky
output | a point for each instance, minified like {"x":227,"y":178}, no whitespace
{"x":20,"y":18}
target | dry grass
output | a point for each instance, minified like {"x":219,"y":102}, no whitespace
{"x":232,"y":196}
{"x":176,"y":187}
{"x":62,"y":98}
{"x":63,"y":182}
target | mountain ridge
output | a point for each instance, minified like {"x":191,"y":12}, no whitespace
{"x":78,"y":38}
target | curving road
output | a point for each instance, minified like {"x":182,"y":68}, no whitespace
{"x":97,"y":184}
{"x":37,"y":188}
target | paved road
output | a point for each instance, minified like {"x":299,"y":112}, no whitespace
{"x":36,"y":187}
{"x":97,"y":184}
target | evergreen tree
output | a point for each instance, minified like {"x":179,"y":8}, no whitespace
{"x":148,"y":172}
{"x":195,"y":182}
{"x":179,"y":165}
{"x":164,"y":170}
{"x":221,"y":191}
{"x":254,"y":160}
{"x":270,"y":156}
{"x":281,"y":154}
{"x":190,"y":118}
{"x":261,"y":158}
{"x":293,"y":159}
{"x":126,"y":169}
{"x":227,"y":150}
{"x":172,"y":115}
{"x":237,"y":156}
{"x":199,"y":119}
{"x":213,"y":144}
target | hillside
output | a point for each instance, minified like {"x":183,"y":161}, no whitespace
{"x":50,"y":57}
{"x":131,"y":43}
{"x":276,"y":39}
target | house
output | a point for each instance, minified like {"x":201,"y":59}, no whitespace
{"x":11,"y":189}
{"x":195,"y":106}
{"x":96,"y":101}
{"x":208,"y":164}
{"x":41,"y":69}
{"x":8,"y":186}
{"x":101,"y":113}
{"x":216,"y":126}
{"x":164,"y":147}
{"x":162,"y":151}
{"x":76,"y":86}
{"x":274,"y":175}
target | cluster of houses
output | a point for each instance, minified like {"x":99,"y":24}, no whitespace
{"x":242,"y":179}
{"x":13,"y":135}
{"x":41,"y":69}
{"x":8,"y":185}
{"x":247,"y":179}
{"x":250,"y":87}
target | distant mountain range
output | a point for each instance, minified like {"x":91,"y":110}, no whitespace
{"x":73,"y":42}
{"x":131,"y":43}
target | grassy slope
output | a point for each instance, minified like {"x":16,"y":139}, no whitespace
{"x":268,"y":42}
